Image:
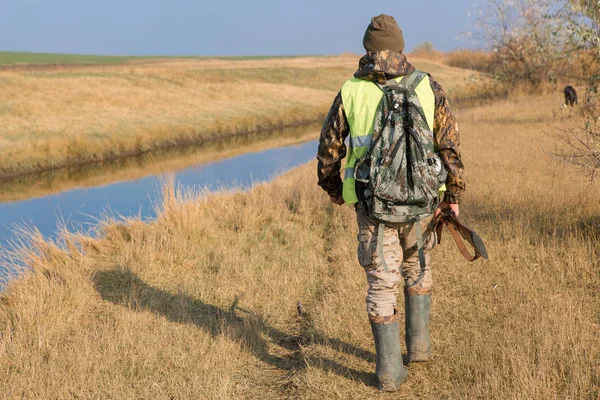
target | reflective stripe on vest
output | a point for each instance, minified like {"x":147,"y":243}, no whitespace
{"x":361,"y":99}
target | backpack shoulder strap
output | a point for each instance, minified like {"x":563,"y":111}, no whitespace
{"x":413,"y":80}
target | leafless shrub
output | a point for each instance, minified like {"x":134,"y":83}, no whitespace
{"x":536,"y":41}
{"x":526,"y":38}
{"x":581,"y":138}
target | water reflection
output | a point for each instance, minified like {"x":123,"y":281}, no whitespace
{"x":127,"y":169}
{"x":80,"y":207}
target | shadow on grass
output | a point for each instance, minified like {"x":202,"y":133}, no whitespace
{"x":124,"y":288}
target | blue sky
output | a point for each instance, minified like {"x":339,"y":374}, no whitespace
{"x":220,"y":27}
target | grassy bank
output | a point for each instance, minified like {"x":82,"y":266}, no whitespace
{"x":202,"y":303}
{"x":71,"y":115}
{"x":46,"y":183}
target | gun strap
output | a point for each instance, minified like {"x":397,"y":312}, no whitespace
{"x":421,"y":251}
{"x":380,"y":251}
{"x":461,"y":245}
{"x":457,"y":239}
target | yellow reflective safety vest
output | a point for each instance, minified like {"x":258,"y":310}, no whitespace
{"x":361,"y":99}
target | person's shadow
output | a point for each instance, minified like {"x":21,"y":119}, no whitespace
{"x":124,"y":288}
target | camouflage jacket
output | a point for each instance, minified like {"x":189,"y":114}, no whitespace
{"x":382,"y":66}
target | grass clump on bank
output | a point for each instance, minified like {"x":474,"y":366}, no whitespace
{"x":202,"y":303}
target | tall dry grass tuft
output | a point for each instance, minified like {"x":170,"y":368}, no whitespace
{"x":203,"y":302}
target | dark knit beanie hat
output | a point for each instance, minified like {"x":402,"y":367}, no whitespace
{"x":383,"y":33}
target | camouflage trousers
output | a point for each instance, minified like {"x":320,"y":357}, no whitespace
{"x":400,"y":254}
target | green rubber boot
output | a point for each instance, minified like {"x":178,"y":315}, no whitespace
{"x":416,"y":308}
{"x":391,"y":371}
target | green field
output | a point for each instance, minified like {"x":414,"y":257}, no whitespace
{"x":11,"y":58}
{"x":8,"y":57}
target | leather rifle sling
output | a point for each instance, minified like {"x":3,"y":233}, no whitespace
{"x":461,"y":245}
{"x":450,"y":220}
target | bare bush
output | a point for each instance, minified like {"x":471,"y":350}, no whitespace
{"x":426,"y":50}
{"x":526,"y":39}
{"x":583,"y":144}
{"x":582,"y":137}
{"x":425,"y":47}
{"x":537,"y":41}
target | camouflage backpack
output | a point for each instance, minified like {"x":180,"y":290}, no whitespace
{"x":401,"y":174}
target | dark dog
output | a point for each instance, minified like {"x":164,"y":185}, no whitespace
{"x":570,"y":96}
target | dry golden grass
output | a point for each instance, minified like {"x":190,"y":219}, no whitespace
{"x":53,"y":117}
{"x":70,"y":114}
{"x":202,"y":302}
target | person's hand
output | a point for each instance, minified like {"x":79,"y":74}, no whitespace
{"x":339,"y":200}
{"x":444,"y":206}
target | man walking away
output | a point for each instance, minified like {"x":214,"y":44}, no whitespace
{"x":403,"y":146}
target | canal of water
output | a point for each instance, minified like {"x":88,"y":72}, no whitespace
{"x":80,"y":208}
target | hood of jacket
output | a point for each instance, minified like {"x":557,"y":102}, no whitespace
{"x":381,"y":66}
